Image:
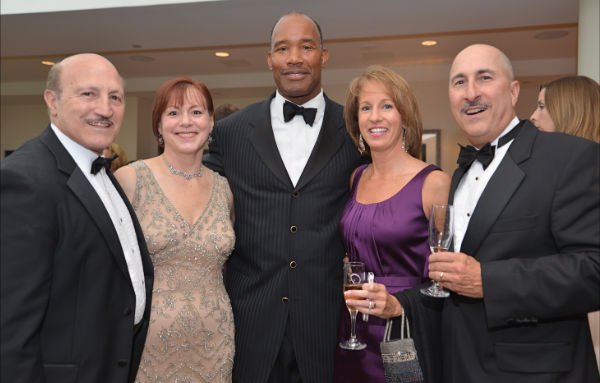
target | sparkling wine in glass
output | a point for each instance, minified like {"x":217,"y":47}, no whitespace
{"x":354,"y":277}
{"x":440,"y":235}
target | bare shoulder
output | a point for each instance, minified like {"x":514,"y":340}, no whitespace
{"x":437,"y":180}
{"x":125,"y":175}
{"x":435,"y":190}
{"x":352,"y":177}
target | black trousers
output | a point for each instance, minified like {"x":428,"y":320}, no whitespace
{"x":286,"y":367}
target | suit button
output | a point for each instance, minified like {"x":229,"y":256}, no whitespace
{"x":127,"y":311}
{"x":293,"y":264}
{"x":293,"y":228}
{"x":296,"y":194}
{"x":285,"y":299}
{"x":122,"y":363}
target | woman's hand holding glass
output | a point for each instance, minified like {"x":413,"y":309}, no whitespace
{"x":374,"y":299}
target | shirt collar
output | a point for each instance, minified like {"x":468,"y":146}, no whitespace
{"x":317,"y":102}
{"x":514,"y":122}
{"x":82,"y":156}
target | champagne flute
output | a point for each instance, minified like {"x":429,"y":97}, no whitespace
{"x":370,"y":279}
{"x":354,"y":277}
{"x":440,"y":235}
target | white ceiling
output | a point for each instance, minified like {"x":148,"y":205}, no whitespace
{"x":151,"y":43}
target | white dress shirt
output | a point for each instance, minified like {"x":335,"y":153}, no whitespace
{"x":296,"y":139}
{"x":471,"y":187}
{"x":117,"y":210}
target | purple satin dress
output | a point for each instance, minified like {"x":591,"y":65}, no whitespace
{"x":390,"y":237}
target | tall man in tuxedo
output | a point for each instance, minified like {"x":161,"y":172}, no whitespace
{"x":289,"y":174}
{"x":76,"y":278}
{"x":526,"y":266}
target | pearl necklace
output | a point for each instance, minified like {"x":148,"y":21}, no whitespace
{"x":177,"y":172}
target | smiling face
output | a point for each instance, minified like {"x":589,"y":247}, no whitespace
{"x":296,"y":58}
{"x":185,"y":127}
{"x":379,"y":120}
{"x":540,"y":117}
{"x":88,"y":103}
{"x":482,"y":93}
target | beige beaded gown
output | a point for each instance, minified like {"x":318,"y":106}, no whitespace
{"x":191,"y":334}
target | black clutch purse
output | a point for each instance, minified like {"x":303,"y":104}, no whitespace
{"x":400,"y":361}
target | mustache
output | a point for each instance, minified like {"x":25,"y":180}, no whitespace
{"x":474,"y":104}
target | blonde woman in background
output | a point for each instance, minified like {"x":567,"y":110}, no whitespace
{"x":570,"y":105}
{"x":121,"y":158}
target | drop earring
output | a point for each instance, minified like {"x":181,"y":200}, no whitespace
{"x":404,"y":139}
{"x":161,"y":140}
{"x":361,"y":145}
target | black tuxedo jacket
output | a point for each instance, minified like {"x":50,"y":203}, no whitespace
{"x":287,"y":262}
{"x":67,"y":300}
{"x":536,"y":232}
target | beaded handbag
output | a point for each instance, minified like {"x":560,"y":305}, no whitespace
{"x":400,"y":361}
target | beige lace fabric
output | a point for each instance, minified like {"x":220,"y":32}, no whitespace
{"x":191,"y":334}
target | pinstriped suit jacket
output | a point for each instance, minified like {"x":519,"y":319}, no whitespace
{"x":287,"y":262}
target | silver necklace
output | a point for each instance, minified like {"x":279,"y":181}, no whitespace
{"x":177,"y":172}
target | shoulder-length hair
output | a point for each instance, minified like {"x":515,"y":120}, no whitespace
{"x":173,"y":92}
{"x":403,"y":98}
{"x":574,"y":106}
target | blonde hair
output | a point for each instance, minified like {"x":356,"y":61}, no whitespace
{"x":404,"y":100}
{"x":573,"y":104}
{"x":121,"y":160}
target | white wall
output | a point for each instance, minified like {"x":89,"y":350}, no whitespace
{"x":23,"y":121}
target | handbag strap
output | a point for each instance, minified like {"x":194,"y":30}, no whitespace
{"x":388,"y":328}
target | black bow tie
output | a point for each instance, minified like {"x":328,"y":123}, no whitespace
{"x":468,"y":154}
{"x":102,"y":162}
{"x":485,"y":155}
{"x":290,"y":110}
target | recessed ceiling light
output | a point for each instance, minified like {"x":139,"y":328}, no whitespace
{"x":429,"y":43}
{"x":222,"y":54}
{"x":47,"y":62}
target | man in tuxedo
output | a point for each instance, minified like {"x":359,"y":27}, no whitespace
{"x":288,"y":160}
{"x":525,"y":269}
{"x":76,"y":276}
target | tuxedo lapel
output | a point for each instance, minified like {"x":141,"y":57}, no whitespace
{"x":501,"y":187}
{"x":496,"y":195}
{"x":456,"y":177}
{"x":87,"y":196}
{"x":263,"y":140}
{"x":92,"y":203}
{"x":331,"y":138}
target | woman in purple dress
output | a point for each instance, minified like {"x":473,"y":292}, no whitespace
{"x":385,"y":222}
